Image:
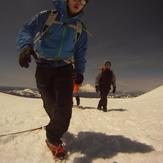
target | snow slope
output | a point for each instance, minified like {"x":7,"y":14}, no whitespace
{"x":130,"y":132}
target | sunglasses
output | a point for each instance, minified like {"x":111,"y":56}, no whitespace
{"x":83,"y":2}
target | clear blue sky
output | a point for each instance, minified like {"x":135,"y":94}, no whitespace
{"x":128,"y":32}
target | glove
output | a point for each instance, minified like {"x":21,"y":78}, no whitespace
{"x":97,"y":88}
{"x":78,"y":78}
{"x":25,"y":57}
{"x":114,"y":89}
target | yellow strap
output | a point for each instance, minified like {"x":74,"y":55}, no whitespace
{"x":77,"y":27}
{"x":51,"y":18}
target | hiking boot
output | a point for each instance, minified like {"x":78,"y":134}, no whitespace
{"x":57,"y":150}
{"x":105,"y":109}
{"x":99,"y":107}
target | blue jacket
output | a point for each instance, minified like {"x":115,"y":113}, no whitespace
{"x":60,"y":40}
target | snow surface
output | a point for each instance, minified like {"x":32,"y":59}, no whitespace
{"x":25,"y":93}
{"x":87,"y":88}
{"x":130,"y":132}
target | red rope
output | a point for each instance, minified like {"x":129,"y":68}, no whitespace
{"x":20,"y":132}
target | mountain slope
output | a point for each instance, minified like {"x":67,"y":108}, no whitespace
{"x":130,"y":132}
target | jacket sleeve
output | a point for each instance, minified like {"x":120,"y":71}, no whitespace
{"x":113,"y":80}
{"x":27,"y":33}
{"x":98,"y":79}
{"x":80,"y":53}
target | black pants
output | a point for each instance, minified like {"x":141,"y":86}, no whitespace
{"x":56,"y":86}
{"x":104,"y":91}
{"x":77,"y":100}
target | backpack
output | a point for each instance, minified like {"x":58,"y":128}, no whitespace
{"x":52,"y":20}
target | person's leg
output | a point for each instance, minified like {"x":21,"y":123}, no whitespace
{"x":45,"y":85}
{"x":101,"y":102}
{"x":105,"y":94}
{"x":99,"y":107}
{"x":63,"y":95}
{"x":77,"y":100}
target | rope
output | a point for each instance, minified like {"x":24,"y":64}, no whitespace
{"x":20,"y":132}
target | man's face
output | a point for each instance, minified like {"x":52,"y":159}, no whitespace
{"x":75,"y":6}
{"x":107,"y":66}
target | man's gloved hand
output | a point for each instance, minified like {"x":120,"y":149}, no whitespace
{"x":25,"y":57}
{"x":78,"y":78}
{"x":97,"y":88}
{"x":114,"y":89}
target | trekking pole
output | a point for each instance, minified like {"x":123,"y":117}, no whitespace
{"x":20,"y":132}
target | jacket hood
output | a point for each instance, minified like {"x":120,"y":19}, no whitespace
{"x":61,"y":7}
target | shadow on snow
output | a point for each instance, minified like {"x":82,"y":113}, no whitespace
{"x":99,"y":145}
{"x":121,"y":110}
{"x":83,"y":107}
{"x":88,"y":107}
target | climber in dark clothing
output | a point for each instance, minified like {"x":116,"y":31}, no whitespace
{"x":104,"y":80}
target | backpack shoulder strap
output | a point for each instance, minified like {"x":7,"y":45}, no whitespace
{"x":52,"y":15}
{"x":51,"y":19}
{"x":79,"y":28}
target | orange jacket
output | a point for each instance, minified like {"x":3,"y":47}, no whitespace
{"x":76,"y":88}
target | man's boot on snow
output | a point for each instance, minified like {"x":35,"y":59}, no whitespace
{"x":99,"y":107}
{"x":58,"y":151}
{"x":105,"y":109}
